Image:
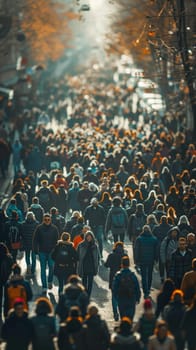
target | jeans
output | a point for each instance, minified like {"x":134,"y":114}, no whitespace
{"x":119,"y":237}
{"x":87,"y":281}
{"x":30,"y":258}
{"x":114,"y":305}
{"x":146,"y":274}
{"x":45,"y":258}
{"x":126,"y":308}
{"x":98,"y":232}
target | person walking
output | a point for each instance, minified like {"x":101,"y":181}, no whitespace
{"x":126,"y":290}
{"x":172,"y":312}
{"x":181,"y":262}
{"x":13,"y":234}
{"x":6,"y":263}
{"x":16,"y":287}
{"x":88,"y":260}
{"x":124,"y":338}
{"x":17,"y":329}
{"x":188,"y":285}
{"x":27,"y":231}
{"x":161,"y":339}
{"x":74,"y":294}
{"x":65,"y":259}
{"x":146,"y":254}
{"x":72,"y":332}
{"x":113,"y":262}
{"x":188,"y":325}
{"x":94,"y":216}
{"x":97,"y":333}
{"x":43,"y":325}
{"x":44,"y":240}
{"x":117,"y":220}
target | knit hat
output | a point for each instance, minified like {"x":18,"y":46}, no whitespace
{"x":18,"y":301}
{"x":147,"y":304}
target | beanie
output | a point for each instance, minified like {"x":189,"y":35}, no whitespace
{"x":147,"y":304}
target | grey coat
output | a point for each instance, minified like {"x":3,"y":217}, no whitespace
{"x":82,"y":250}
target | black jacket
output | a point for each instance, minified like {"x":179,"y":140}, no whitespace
{"x":45,"y":238}
{"x":17,"y":332}
{"x":27,"y":231}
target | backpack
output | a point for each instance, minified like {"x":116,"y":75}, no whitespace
{"x":43,"y":332}
{"x":63,"y":256}
{"x":14,"y":237}
{"x":16,"y":291}
{"x":118,"y":219}
{"x":126,"y":286}
{"x":69,"y":302}
{"x":44,"y":196}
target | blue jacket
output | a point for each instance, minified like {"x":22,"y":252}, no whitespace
{"x":116,"y":284}
{"x":146,"y":251}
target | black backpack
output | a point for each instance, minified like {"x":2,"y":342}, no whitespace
{"x":126,"y":285}
{"x":63,"y":255}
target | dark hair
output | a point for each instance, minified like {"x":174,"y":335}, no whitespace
{"x":117,"y":201}
{"x":125,"y":261}
{"x":43,"y":306}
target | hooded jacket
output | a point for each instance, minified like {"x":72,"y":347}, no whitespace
{"x":83,"y":250}
{"x":168,"y":245}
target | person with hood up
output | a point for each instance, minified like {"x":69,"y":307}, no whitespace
{"x":146,"y":254}
{"x":113,"y":262}
{"x":184,"y":226}
{"x":65,"y":258}
{"x":37,"y":209}
{"x":168,"y":245}
{"x":123,"y":338}
{"x":88,"y":260}
{"x":97,"y":332}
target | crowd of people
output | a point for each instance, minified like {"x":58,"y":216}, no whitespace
{"x":87,"y":185}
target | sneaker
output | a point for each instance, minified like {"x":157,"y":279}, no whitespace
{"x":50,"y":286}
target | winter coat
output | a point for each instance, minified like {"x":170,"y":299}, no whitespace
{"x":83,"y":249}
{"x":188,"y":326}
{"x":109,"y":224}
{"x":69,"y":224}
{"x":72,"y":335}
{"x":136,"y":223}
{"x":114,"y":262}
{"x":44,"y":330}
{"x":14,"y":281}
{"x":116,"y":283}
{"x":97,"y":333}
{"x":27,"y":231}
{"x":6,"y":263}
{"x":76,"y":230}
{"x":95,"y":215}
{"x":174,"y":311}
{"x":8,"y":238}
{"x":125,"y":342}
{"x":168,"y":245}
{"x":45,"y":238}
{"x":146,"y":249}
{"x":160,"y":232}
{"x":17,"y":332}
{"x":74,"y":294}
{"x":65,"y":258}
{"x":180,"y":264}
{"x":12,"y":207}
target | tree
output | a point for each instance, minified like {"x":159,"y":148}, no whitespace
{"x":46,"y":27}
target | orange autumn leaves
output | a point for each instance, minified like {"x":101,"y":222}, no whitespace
{"x":46,"y":26}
